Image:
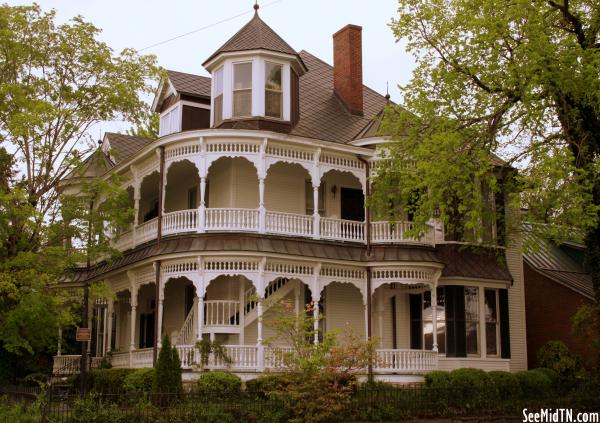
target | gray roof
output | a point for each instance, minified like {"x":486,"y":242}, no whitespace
{"x":123,"y":146}
{"x":548,"y":259}
{"x":187,"y":83}
{"x":255,"y":35}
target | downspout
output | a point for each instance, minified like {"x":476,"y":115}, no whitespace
{"x":368,"y":240}
{"x":161,"y":151}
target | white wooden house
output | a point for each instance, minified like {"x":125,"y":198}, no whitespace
{"x":256,"y":187}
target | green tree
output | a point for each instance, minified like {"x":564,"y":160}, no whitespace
{"x":167,"y":377}
{"x":56,"y":82}
{"x":519,"y":80}
{"x":147,"y":129}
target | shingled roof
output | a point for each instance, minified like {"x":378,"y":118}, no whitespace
{"x":187,"y":83}
{"x":255,"y":35}
{"x":123,"y":146}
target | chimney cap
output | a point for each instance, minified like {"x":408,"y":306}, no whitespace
{"x":349,"y":26}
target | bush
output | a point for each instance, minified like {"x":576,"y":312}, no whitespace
{"x":103,"y":380}
{"x":534,"y":384}
{"x":19,"y":412}
{"x":471,"y":387}
{"x":167,"y":377}
{"x":437,"y":379}
{"x":556,"y":356}
{"x":219,"y":383}
{"x":506,"y":385}
{"x":267,"y":383}
{"x":140,"y":381}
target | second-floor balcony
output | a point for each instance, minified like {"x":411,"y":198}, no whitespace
{"x":286,"y":194}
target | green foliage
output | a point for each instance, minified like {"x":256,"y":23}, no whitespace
{"x":219,"y":383}
{"x":268,"y":382}
{"x":104,"y":380}
{"x":19,"y":412}
{"x":167,"y":376}
{"x":139,"y":381}
{"x":534,"y":384}
{"x":208,"y":347}
{"x":472,"y":387}
{"x":437,"y":379}
{"x":506,"y":383}
{"x":556,"y":356}
{"x":147,"y":129}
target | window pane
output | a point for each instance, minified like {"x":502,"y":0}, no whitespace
{"x":472,"y":318}
{"x":218,"y":113}
{"x":273,"y":76}
{"x":219,"y":82}
{"x":490,"y":306}
{"x":273,"y":104}
{"x":242,"y":76}
{"x":441,"y":320}
{"x":242,"y":103}
{"x":490,"y":339}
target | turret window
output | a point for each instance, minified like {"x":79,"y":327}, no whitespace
{"x":273,"y":90}
{"x":242,"y":89}
{"x":218,"y":96}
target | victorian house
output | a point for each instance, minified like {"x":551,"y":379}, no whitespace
{"x":256,"y":188}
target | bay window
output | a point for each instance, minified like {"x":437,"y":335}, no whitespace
{"x":472,"y":319}
{"x":273,"y":90}
{"x":242,"y":89}
{"x":492,"y":323}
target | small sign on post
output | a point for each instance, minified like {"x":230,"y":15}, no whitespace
{"x":83,"y":335}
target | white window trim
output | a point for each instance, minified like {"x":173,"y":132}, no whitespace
{"x":161,"y":131}
{"x":212,"y":96}
{"x":252,"y":86}
{"x":280,"y":91}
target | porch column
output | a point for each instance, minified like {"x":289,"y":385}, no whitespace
{"x":259,"y":339}
{"x":202,"y":208}
{"x":242,"y":309}
{"x":109,"y":324}
{"x":199,"y":317}
{"x":316,"y":320}
{"x":132,"y":322}
{"x":262,"y":213}
{"x":434,"y":317}
{"x":59,"y":346}
{"x":159,"y":319}
{"x":136,"y":208}
{"x":316,"y":217}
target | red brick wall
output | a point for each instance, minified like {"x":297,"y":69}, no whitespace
{"x":347,"y":67}
{"x":549,"y":307}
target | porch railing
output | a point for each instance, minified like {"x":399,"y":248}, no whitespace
{"x":142,"y":358}
{"x":232,"y":219}
{"x":394,"y":360}
{"x":120,"y":360}
{"x":221,"y":313}
{"x":180,"y":221}
{"x":342,"y":230}
{"x":291,"y":224}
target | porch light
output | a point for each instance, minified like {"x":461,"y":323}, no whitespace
{"x":334,"y":190}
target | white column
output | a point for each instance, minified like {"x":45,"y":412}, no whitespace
{"x":316,"y":319}
{"x":109,"y":324}
{"x":159,"y":317}
{"x":202,"y":208}
{"x":434,"y":317}
{"x":262,"y":213}
{"x":132,"y":322}
{"x":242,"y":310}
{"x":259,"y":339}
{"x":199,"y":317}
{"x":366,"y":322}
{"x":59,"y":346}
{"x":136,"y":208}
{"x":316,"y":217}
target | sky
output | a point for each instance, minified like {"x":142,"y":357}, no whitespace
{"x":304,"y":24}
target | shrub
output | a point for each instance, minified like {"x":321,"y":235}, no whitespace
{"x":471,"y":387}
{"x":140,"y":381}
{"x":167,"y":377}
{"x":219,"y":383}
{"x":437,"y":379}
{"x":506,"y":385}
{"x":534,"y":384}
{"x":267,"y":383}
{"x":19,"y":412}
{"x":556,"y":356}
{"x":102,"y":380}
{"x":554,"y":377}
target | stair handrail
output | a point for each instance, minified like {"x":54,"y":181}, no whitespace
{"x":186,"y":333}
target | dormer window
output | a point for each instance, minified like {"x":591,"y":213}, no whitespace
{"x":218,"y":96}
{"x":242,"y":89}
{"x":273,"y":90}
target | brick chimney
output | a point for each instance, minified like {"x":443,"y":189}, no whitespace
{"x":347,"y":67}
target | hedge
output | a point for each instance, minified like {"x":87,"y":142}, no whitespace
{"x":219,"y":383}
{"x":104,"y":380}
{"x":140,"y":380}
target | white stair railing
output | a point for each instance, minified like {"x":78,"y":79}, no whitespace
{"x":187,"y":333}
{"x":342,"y":230}
{"x":221,"y":313}
{"x":180,"y":221}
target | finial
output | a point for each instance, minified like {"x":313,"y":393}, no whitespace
{"x":256,"y":6}
{"x":387,"y":91}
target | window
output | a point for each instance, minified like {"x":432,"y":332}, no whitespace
{"x":309,"y":196}
{"x":472,"y":319}
{"x":242,"y":89}
{"x":273,"y":90}
{"x":170,"y":122}
{"x":492,"y":323}
{"x":428,"y":320}
{"x":218,"y":95}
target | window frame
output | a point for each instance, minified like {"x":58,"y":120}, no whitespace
{"x":497,"y":323}
{"x":216,"y":118}
{"x":234,"y":90}
{"x":441,"y":317}
{"x":280,"y":91}
{"x":476,"y":321}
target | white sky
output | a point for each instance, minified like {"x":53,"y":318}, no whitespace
{"x":304,"y":24}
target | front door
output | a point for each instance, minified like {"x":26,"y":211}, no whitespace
{"x":352,"y":204}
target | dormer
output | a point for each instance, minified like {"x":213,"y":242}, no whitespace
{"x":255,"y":80}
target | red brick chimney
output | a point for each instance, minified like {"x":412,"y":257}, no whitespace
{"x":347,"y":67}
